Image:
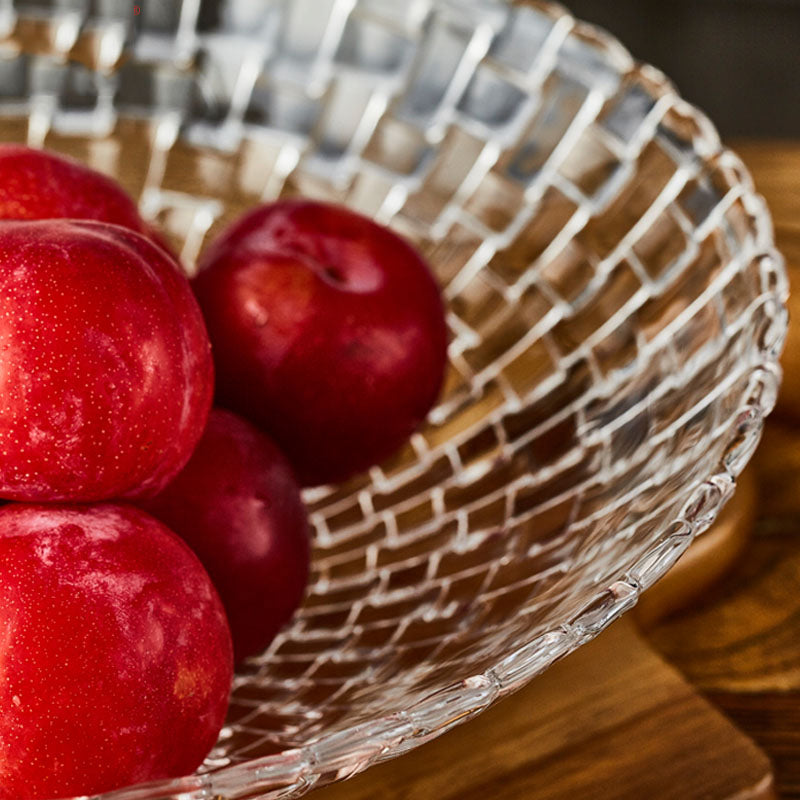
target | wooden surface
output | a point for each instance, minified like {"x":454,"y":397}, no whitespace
{"x":741,"y":645}
{"x":614,"y":720}
{"x":742,"y":648}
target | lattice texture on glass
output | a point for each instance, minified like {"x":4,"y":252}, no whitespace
{"x":615,"y":303}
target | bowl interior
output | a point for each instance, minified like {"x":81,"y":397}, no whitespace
{"x":615,"y":306}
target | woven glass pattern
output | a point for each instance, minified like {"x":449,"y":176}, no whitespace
{"x":614,"y":297}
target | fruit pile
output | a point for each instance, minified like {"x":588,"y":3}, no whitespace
{"x":150,"y":541}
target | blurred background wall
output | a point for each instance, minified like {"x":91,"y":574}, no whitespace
{"x":739,"y":60}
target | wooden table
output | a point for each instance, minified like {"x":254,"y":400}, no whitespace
{"x":697,"y":694}
{"x":741,"y":646}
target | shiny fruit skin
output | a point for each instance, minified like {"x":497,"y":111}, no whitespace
{"x":115,"y":655}
{"x":328,"y":332}
{"x":37,"y":184}
{"x":106,"y":376}
{"x":237,"y":505}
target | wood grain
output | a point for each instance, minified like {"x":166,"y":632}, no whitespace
{"x":741,"y":644}
{"x":611,"y":721}
{"x":745,"y":635}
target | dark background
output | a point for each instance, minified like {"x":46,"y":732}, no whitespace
{"x":738,"y":60}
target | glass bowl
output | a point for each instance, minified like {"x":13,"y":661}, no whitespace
{"x":615,"y":301}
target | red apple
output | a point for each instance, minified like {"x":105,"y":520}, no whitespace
{"x":237,"y":505}
{"x":328,"y":332}
{"x":115,"y":655}
{"x":105,"y":368}
{"x":36,"y":184}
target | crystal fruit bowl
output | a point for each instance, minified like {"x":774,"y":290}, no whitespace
{"x":615,"y":302}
